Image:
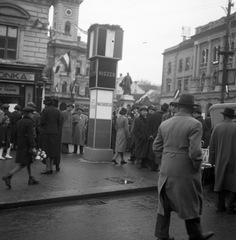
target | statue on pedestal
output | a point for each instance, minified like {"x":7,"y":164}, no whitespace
{"x":126,"y":84}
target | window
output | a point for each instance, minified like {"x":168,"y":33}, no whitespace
{"x":180,"y":85}
{"x":187,"y":64}
{"x":216,"y":54}
{"x":8,"y":42}
{"x":67,"y":28}
{"x":169,"y":67}
{"x":180,"y":65}
{"x":186,"y":84}
{"x":64,"y":87}
{"x":168,"y":83}
{"x":204,"y":55}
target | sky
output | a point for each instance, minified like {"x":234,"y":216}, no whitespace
{"x":150,"y":26}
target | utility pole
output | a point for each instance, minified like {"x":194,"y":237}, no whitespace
{"x":226,"y":52}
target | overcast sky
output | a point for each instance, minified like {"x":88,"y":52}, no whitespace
{"x":150,"y":26}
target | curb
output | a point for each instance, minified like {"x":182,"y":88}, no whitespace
{"x":75,"y":197}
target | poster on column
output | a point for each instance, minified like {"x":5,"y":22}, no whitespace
{"x":104,"y":104}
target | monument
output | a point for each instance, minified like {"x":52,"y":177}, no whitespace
{"x":126,"y":98}
{"x":104,"y":51}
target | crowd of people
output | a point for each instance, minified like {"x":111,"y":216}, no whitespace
{"x":27,"y":131}
{"x":168,"y":140}
{"x":135,"y":128}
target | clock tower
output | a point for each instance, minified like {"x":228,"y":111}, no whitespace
{"x":65,"y":20}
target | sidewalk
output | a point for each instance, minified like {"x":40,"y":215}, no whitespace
{"x":78,"y":179}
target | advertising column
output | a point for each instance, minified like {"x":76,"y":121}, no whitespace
{"x":104,"y":52}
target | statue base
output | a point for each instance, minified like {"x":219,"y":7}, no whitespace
{"x":125,"y":100}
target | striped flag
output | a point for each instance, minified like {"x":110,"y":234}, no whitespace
{"x":105,"y":42}
{"x":63,"y":61}
{"x":177,"y":92}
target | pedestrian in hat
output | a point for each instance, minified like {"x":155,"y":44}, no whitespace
{"x":80,"y":123}
{"x":36,"y":120}
{"x":49,"y":137}
{"x":177,"y":147}
{"x":16,"y":116}
{"x":222,"y":154}
{"x":122,"y":135}
{"x":26,"y":147}
{"x":140,"y":134}
{"x":134,"y":115}
{"x":4,"y":136}
{"x":67,"y":128}
{"x":171,"y":110}
{"x":197,"y":114}
{"x":5,"y":107}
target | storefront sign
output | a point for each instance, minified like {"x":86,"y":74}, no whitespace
{"x":18,"y":76}
{"x":11,"y":89}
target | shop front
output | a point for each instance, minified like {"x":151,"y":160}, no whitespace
{"x":20,"y":85}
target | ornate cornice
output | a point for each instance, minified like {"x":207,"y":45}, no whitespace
{"x":68,"y":1}
{"x":38,"y":2}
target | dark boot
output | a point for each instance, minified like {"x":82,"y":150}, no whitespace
{"x":32,"y":181}
{"x":81,"y":149}
{"x":75,"y":149}
{"x":7,"y":180}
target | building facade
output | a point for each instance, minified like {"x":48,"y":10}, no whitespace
{"x":196,"y":65}
{"x":23,"y":50}
{"x":68,"y":85}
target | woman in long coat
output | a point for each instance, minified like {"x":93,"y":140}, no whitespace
{"x":25,"y":146}
{"x":79,"y":122}
{"x":122,"y":134}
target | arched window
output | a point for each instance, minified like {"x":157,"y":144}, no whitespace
{"x":67,"y":28}
{"x":64,"y":87}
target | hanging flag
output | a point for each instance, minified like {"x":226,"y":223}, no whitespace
{"x":63,"y":60}
{"x":80,"y":29}
{"x":177,"y":92}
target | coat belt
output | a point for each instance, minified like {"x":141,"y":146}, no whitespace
{"x":175,"y":150}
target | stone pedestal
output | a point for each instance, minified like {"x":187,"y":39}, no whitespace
{"x":125,"y":100}
{"x":98,"y":154}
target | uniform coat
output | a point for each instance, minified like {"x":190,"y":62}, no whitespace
{"x":140,"y":135}
{"x":66,"y":127}
{"x":122,"y":133}
{"x":79,"y":129}
{"x":223,"y":156}
{"x":50,"y":125}
{"x":177,"y":145}
{"x":16,"y":116}
{"x":25,"y":140}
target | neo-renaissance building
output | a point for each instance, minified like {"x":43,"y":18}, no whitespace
{"x":195,"y":65}
{"x":23,"y":50}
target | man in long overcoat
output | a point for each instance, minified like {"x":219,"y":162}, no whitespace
{"x":223,"y":156}
{"x":177,"y":145}
{"x":140,"y":136}
{"x":50,"y":127}
{"x":25,"y":146}
{"x":67,"y":126}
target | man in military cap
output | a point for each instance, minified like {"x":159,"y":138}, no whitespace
{"x":26,"y":147}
